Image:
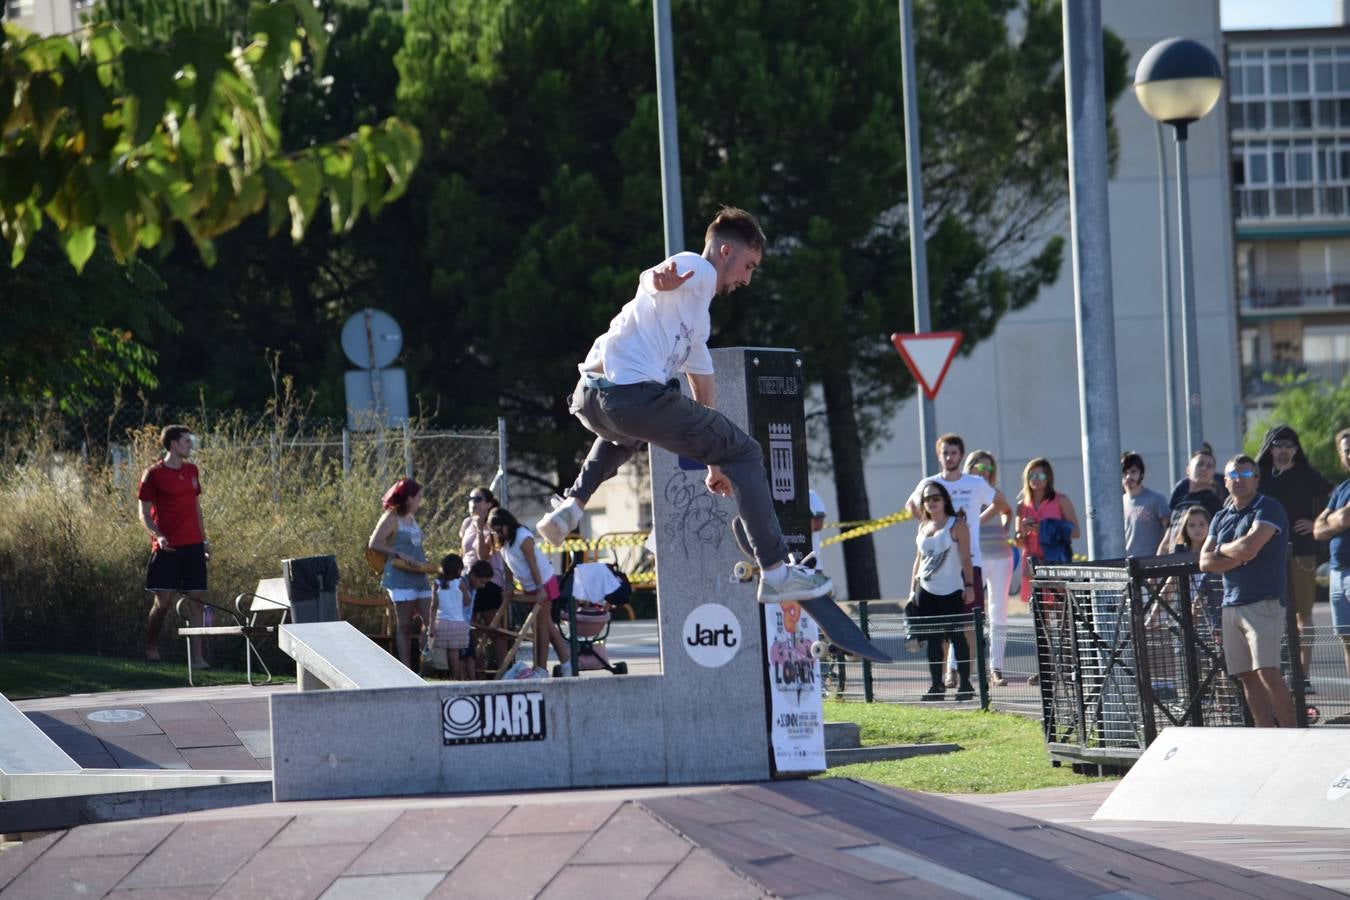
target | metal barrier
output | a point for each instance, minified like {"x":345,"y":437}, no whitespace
{"x":1128,"y":647}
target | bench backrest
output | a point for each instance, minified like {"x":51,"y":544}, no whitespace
{"x":271,"y":594}
{"x":25,"y":748}
{"x":342,"y":657}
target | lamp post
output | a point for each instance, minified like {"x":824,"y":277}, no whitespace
{"x":1178,"y":82}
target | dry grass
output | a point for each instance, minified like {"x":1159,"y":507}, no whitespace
{"x":72,"y":553}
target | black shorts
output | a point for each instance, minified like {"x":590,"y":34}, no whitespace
{"x":181,"y":569}
{"x":487,"y":598}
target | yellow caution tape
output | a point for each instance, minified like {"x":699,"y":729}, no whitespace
{"x":863,"y":528}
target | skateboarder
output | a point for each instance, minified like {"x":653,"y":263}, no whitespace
{"x":627,"y":397}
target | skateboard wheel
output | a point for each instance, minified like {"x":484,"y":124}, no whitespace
{"x":819,"y":649}
{"x":743,"y":571}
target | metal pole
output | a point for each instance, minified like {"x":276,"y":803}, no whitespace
{"x":1094,"y":318}
{"x":407,"y":451}
{"x":1190,"y":362}
{"x":1170,"y":361}
{"x":503,"y":495}
{"x":346,"y":451}
{"x":918,"y":254}
{"x":670,"y":136}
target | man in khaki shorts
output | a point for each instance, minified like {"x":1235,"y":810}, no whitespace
{"x":1249,"y":543}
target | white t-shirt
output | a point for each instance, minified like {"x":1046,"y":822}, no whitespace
{"x":450,"y":602}
{"x":659,"y":333}
{"x":970,"y":495}
{"x":520,"y":566}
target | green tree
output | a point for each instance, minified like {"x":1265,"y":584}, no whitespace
{"x":1313,"y":408}
{"x":541,"y":194}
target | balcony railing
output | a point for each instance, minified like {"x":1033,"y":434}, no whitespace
{"x":1255,"y":382}
{"x":1292,"y":202}
{"x":1320,"y":291}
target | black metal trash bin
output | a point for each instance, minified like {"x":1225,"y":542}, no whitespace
{"x":312,"y":584}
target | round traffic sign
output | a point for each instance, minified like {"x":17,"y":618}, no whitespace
{"x":372,"y":339}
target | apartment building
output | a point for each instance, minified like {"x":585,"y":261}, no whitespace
{"x":1289,"y":121}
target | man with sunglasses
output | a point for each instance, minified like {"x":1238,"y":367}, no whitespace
{"x":1248,"y":544}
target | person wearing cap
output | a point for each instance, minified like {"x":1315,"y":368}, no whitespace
{"x":1248,"y":544}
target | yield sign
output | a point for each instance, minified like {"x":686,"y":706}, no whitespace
{"x":928,"y":356}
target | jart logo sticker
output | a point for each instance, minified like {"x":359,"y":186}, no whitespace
{"x":493,"y":718}
{"x":1340,"y":787}
{"x":711,"y":635}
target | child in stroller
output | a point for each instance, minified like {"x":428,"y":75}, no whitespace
{"x":597,"y":588}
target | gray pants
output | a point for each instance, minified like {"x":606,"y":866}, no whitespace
{"x":625,"y":418}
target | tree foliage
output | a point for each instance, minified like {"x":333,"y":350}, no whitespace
{"x":1316,"y":410}
{"x":126,"y":129}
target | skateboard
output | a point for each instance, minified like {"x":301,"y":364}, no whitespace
{"x":376,"y":560}
{"x":835,"y":626}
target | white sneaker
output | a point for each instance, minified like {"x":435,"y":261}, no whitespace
{"x":801,"y":583}
{"x":557,"y":525}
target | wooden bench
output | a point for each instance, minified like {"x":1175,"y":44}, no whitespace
{"x":271,"y":596}
{"x":25,"y":749}
{"x":337,"y":655}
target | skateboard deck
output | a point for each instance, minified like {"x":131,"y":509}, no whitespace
{"x":834,"y":624}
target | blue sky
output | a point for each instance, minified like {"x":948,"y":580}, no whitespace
{"x":1247,"y":14}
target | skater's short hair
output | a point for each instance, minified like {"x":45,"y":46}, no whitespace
{"x":481,"y":568}
{"x":950,"y":438}
{"x":171,"y":433}
{"x":732,"y":224}
{"x":1131,"y":460}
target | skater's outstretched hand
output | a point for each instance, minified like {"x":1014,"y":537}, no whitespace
{"x":667,"y":278}
{"x":718,"y":483}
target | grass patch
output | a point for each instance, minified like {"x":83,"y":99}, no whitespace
{"x":1000,"y":752}
{"x":24,"y":676}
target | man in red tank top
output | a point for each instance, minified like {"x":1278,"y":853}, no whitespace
{"x":171,"y":514}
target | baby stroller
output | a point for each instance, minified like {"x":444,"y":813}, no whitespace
{"x":593,"y":589}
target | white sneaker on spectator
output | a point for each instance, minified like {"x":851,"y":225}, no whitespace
{"x":554,"y":527}
{"x":800,"y":583}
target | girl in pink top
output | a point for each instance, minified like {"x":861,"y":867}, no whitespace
{"x":1037,"y":501}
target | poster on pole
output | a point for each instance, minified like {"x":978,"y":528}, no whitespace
{"x":796,"y":712}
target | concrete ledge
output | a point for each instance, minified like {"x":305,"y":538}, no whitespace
{"x":51,"y":813}
{"x":336,"y":655}
{"x":32,"y":786}
{"x":842,"y":735}
{"x":881,"y":753}
{"x":591,"y":732}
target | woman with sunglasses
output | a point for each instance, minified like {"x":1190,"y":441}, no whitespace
{"x":1039,"y":502}
{"x":476,"y":542}
{"x":942,"y":585}
{"x":996,"y":554}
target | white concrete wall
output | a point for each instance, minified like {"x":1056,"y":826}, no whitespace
{"x":1017,"y":394}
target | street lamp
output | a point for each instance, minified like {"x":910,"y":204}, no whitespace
{"x":1178,"y":82}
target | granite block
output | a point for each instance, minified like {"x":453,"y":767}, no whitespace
{"x":204,"y":852}
{"x":186,"y":709}
{"x":404,"y":886}
{"x":334,"y":827}
{"x":113,"y":839}
{"x":115,"y":721}
{"x":510,"y":866}
{"x":630,"y":882}
{"x":144,"y":751}
{"x":201,"y":732}
{"x":235,"y":757}
{"x":289,"y":873}
{"x":422,"y":840}
{"x":75,"y":741}
{"x":556,"y":818}
{"x":633,"y":835}
{"x":65,"y":876}
{"x":702,"y":875}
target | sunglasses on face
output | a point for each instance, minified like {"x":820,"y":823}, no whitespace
{"x":982,"y":467}
{"x":1036,"y":476}
{"x":1238,"y":474}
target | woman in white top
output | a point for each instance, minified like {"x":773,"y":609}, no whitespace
{"x":943,"y":584}
{"x":532,"y":569}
